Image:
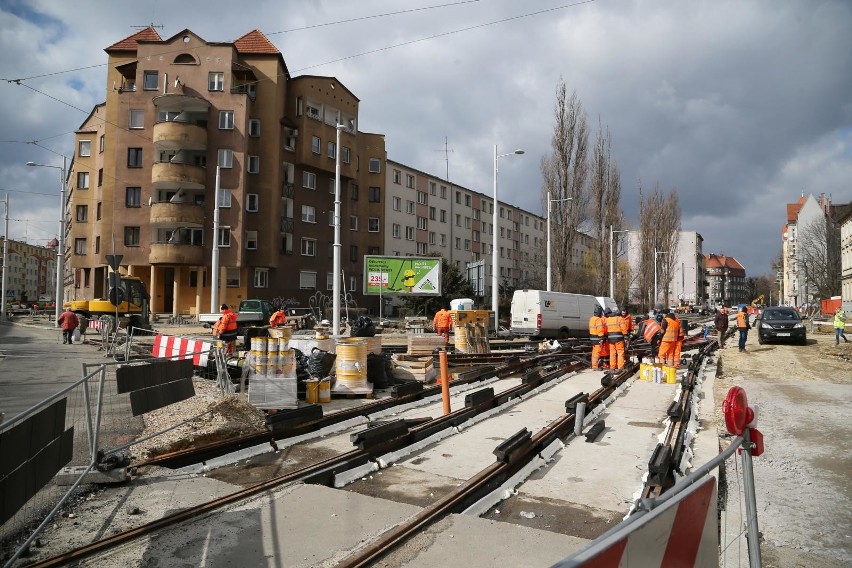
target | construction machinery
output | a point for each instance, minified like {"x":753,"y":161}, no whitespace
{"x":128,"y":305}
{"x":756,"y":305}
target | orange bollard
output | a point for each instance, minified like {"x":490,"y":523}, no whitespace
{"x":445,"y":380}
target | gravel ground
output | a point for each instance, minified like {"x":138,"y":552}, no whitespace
{"x":804,"y":479}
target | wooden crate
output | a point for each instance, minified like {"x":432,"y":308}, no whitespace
{"x":424,"y":344}
{"x":414,"y":368}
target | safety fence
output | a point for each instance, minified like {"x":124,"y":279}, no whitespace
{"x":81,"y":434}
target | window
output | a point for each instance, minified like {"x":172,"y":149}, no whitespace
{"x":458,"y":197}
{"x":421,"y":223}
{"x":225,"y":158}
{"x":443,"y":240}
{"x":102,"y":143}
{"x":137,"y":118}
{"x":251,"y":240}
{"x":432,"y":212}
{"x":353,"y":283}
{"x":309,"y":214}
{"x":458,"y":220}
{"x":443,"y":192}
{"x":100,"y":177}
{"x":80,"y":247}
{"x":409,"y":233}
{"x":225,"y":237}
{"x":332,"y":150}
{"x":150,"y":80}
{"x":409,"y":181}
{"x":353,"y":253}
{"x":134,"y":157}
{"x":375,"y":166}
{"x":254,"y":164}
{"x":225,"y":197}
{"x":308,"y":280}
{"x":252,"y":202}
{"x":467,"y":200}
{"x":443,"y":215}
{"x":85,"y":148}
{"x":421,"y":197}
{"x":82,"y":213}
{"x":409,"y":207}
{"x":353,"y":192}
{"x":232,"y":277}
{"x":131,"y":236}
{"x":433,"y":188}
{"x":309,"y":180}
{"x":132,"y":196}
{"x":373,"y":224}
{"x":421,"y":248}
{"x":374,"y":194}
{"x":397,"y":204}
{"x":99,"y":211}
{"x":97,"y":245}
{"x":353,"y":222}
{"x":309,"y":247}
{"x":476,"y":236}
{"x":261,"y":278}
{"x":331,"y":218}
{"x":82,"y":180}
{"x":467,"y":244}
{"x":397,"y":177}
{"x":373,"y":250}
{"x":467,"y":222}
{"x":254,"y":128}
{"x":329,"y":281}
{"x":226,"y":120}
{"x":215,"y":81}
{"x":395,"y":230}
{"x":315,"y":144}
{"x":431,"y":237}
{"x":345,"y":154}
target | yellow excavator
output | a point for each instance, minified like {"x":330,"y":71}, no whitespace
{"x":128,"y":299}
{"x":756,"y":305}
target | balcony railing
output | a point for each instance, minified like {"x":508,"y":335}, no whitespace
{"x":287,"y":190}
{"x":287,"y":224}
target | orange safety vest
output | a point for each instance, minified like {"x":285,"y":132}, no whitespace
{"x":741,"y":320}
{"x":613,"y":329}
{"x":672,"y":330}
{"x":227,"y":324}
{"x":626,"y":324}
{"x":652,"y":328}
{"x":597,"y":328}
{"x":278,"y":318}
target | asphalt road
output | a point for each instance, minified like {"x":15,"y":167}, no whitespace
{"x":34,"y":365}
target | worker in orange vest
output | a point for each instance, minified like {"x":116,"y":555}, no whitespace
{"x":671,"y":332}
{"x":442,"y":322}
{"x":743,"y":325}
{"x":278,"y":319}
{"x":615,"y":337}
{"x":679,"y":345}
{"x":597,"y":333}
{"x":226,"y":328}
{"x":651,"y":331}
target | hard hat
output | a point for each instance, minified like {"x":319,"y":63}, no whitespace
{"x":598,"y":311}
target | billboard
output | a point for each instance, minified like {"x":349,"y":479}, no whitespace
{"x":405,"y":275}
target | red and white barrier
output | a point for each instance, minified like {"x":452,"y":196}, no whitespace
{"x":95,"y":324}
{"x":182,"y":348}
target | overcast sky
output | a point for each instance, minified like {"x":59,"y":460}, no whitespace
{"x":740,"y":106}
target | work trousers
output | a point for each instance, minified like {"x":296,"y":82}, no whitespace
{"x":667,"y":352}
{"x":678,"y":347}
{"x":743,"y":337}
{"x":838,"y":333}
{"x":616,"y":354}
{"x":445,"y":331}
{"x":596,"y":354}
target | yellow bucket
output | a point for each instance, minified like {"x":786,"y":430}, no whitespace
{"x":312,"y":391}
{"x":671,"y":374}
{"x":460,"y":333}
{"x":324,"y":391}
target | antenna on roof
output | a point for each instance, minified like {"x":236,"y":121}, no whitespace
{"x":151,"y":25}
{"x":446,"y":152}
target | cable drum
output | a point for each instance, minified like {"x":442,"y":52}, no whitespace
{"x":351,"y":363}
{"x":460,"y":334}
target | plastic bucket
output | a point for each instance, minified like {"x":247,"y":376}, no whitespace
{"x":312,"y":391}
{"x":351,"y":362}
{"x":324,"y":391}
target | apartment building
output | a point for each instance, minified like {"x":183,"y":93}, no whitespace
{"x":844,"y":219}
{"x":30,"y":270}
{"x":687,"y":284}
{"x":726,"y":281}
{"x":802,"y":230}
{"x":183,"y":117}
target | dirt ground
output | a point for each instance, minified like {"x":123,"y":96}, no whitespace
{"x":804,"y":479}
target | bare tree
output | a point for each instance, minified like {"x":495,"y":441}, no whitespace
{"x":819,"y":254}
{"x":659,"y":234}
{"x":564,"y":173}
{"x":668,"y":237}
{"x":605,"y":208}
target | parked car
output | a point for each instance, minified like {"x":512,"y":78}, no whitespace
{"x":781,"y":323}
{"x":504,"y":333}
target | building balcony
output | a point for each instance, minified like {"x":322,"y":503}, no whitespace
{"x":177,"y":135}
{"x":176,"y":175}
{"x":168,"y":253}
{"x":177,"y":214}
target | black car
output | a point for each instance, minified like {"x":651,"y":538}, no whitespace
{"x":781,"y":323}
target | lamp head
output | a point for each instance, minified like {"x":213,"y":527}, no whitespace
{"x":519,"y":151}
{"x":31,"y":164}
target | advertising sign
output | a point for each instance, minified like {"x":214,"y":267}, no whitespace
{"x":405,"y":275}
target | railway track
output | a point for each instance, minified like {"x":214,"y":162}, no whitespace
{"x":389,"y":440}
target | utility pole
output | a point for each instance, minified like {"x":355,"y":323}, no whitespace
{"x":5,"y":257}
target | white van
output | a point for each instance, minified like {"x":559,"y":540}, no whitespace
{"x":537,"y":313}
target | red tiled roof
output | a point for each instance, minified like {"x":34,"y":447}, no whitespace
{"x":132,"y":42}
{"x":255,"y":42}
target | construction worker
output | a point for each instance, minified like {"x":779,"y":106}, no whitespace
{"x":226,"y":328}
{"x":671,"y":332}
{"x":442,"y":322}
{"x":743,"y":325}
{"x":597,"y":333}
{"x":278,"y":319}
{"x":679,"y":345}
{"x":627,"y":328}
{"x":651,"y":331}
{"x":839,"y":325}
{"x":615,"y":337}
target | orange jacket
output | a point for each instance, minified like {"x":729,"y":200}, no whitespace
{"x":442,"y":319}
{"x":278,"y":318}
{"x":613,"y":328}
{"x":597,"y":328}
{"x":626,"y":325}
{"x":226,"y":324}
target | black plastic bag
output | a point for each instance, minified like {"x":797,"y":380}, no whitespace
{"x":320,"y":363}
{"x":363,"y":327}
{"x":376,"y":370}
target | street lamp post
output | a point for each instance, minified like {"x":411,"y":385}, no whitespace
{"x":612,"y":261}
{"x":60,"y":250}
{"x":5,"y":258}
{"x":656,"y":254}
{"x":335,"y":287}
{"x":494,"y":260}
{"x":549,"y":201}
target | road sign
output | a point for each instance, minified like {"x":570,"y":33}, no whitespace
{"x":114,"y":260}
